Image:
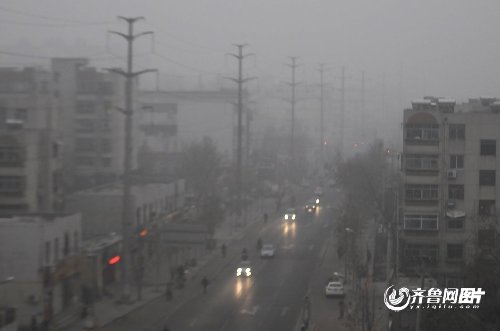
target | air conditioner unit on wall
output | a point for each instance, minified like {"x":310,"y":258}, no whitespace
{"x":452,"y":174}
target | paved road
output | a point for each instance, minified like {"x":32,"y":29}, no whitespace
{"x":271,"y":300}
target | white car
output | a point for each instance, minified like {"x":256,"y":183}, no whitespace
{"x":334,"y":288}
{"x":267,"y":251}
{"x":244,"y":269}
{"x":290,"y":215}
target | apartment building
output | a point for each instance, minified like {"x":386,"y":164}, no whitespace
{"x":89,"y":101}
{"x":40,"y":254}
{"x":30,"y":142}
{"x":201,"y":114}
{"x":158,"y":153}
{"x":451,"y":194}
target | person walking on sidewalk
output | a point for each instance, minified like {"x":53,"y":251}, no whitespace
{"x":204,"y":283}
{"x":168,"y":292}
{"x":341,"y":309}
{"x":223,"y":250}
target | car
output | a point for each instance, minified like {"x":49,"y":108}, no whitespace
{"x":334,"y":289}
{"x":267,"y":251}
{"x":244,"y":269}
{"x":290,"y":215}
{"x":317,"y":200}
{"x":310,"y":206}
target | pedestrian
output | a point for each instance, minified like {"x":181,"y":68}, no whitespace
{"x":349,"y":311}
{"x":223,"y":250}
{"x":169,"y":293}
{"x":341,"y":309}
{"x":204,"y":283}
{"x":34,"y":324}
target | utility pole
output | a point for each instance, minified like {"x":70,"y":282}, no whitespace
{"x":239,"y":153}
{"x":127,"y":164}
{"x":363,"y":135}
{"x":342,"y":111}
{"x":292,"y":84}
{"x":321,"y":118}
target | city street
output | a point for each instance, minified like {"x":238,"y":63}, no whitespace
{"x":272,"y":299}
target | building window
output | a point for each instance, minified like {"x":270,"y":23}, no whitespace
{"x":85,"y":125}
{"x":47,"y":252}
{"x":21,"y":114}
{"x":421,"y":222}
{"x":457,"y":131}
{"x":486,"y":208}
{"x":456,"y":161}
{"x":105,"y":145}
{"x":85,"y":145}
{"x":85,"y":107}
{"x":106,"y":161}
{"x":488,"y":147}
{"x":423,"y":162}
{"x":417,"y":254}
{"x":456,"y":192}
{"x":421,"y":192}
{"x":12,"y":184}
{"x":85,"y":161}
{"x":457,"y":223}
{"x":11,"y":156}
{"x":487,"y":177}
{"x":455,"y":252}
{"x":422,"y":131}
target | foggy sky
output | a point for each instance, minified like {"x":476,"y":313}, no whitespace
{"x":408,"y":49}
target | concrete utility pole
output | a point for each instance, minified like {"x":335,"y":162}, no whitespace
{"x":127,"y":164}
{"x":292,"y":84}
{"x":321,"y":118}
{"x":240,"y":80}
{"x":342,"y":111}
{"x":363,"y":133}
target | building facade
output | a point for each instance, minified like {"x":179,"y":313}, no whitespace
{"x":41,"y":254}
{"x":89,"y":101}
{"x":450,"y":192}
{"x":30,"y":143}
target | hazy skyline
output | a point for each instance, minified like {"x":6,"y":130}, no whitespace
{"x":407,"y":49}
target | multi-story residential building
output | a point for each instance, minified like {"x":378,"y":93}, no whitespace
{"x":450,"y":189}
{"x":40,"y":255}
{"x":157,"y":138}
{"x":30,"y":145}
{"x":89,"y":100}
{"x":201,"y":114}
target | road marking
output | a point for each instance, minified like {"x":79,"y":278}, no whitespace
{"x":252,"y":311}
{"x":283,"y":311}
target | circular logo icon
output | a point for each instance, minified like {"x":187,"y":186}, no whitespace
{"x":397,"y":300}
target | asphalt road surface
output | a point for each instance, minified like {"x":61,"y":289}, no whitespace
{"x":272,"y":299}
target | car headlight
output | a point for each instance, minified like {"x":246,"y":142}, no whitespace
{"x":293,"y":216}
{"x":286,"y":216}
{"x":317,"y":200}
{"x":247,"y":270}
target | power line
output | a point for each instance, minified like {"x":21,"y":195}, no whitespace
{"x":53,"y":18}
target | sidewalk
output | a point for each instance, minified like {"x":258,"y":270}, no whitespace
{"x":107,"y":310}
